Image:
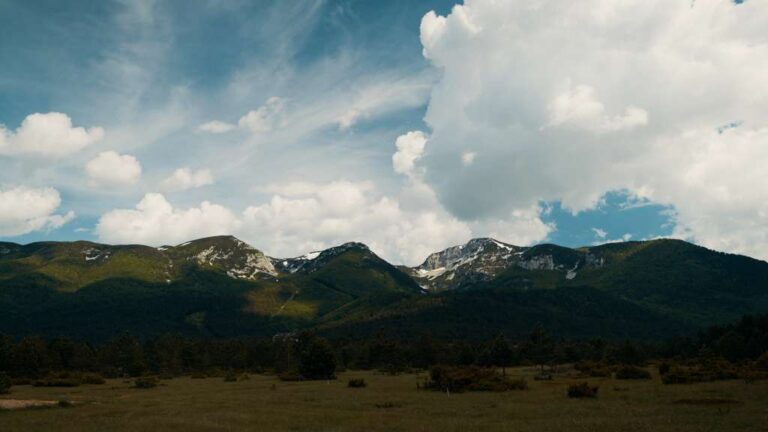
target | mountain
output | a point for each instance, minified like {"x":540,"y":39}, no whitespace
{"x":221,"y":286}
{"x":483,"y":259}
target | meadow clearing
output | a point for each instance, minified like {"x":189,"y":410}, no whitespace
{"x":390,"y":403}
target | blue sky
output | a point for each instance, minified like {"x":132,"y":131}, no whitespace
{"x":279,"y":121}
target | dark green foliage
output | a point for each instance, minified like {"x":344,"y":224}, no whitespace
{"x":583,"y":390}
{"x":704,"y":370}
{"x":594,"y":369}
{"x":61,"y":379}
{"x":628,"y":372}
{"x":664,"y":368}
{"x":317,"y":360}
{"x":357,"y":383}
{"x":498,"y":353}
{"x":146,"y":382}
{"x":92,"y":378}
{"x":470,"y":378}
{"x":5,"y":383}
{"x":645,"y":290}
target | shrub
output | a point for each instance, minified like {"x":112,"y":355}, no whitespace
{"x":762,"y":362}
{"x":290,"y":376}
{"x":64,"y":403}
{"x":592,"y":369}
{"x":710,"y":371}
{"x":18,"y":381}
{"x":470,"y":378}
{"x":199,"y":375}
{"x":147,"y":382}
{"x":357,"y":383}
{"x":583,"y":390}
{"x":230,"y":377}
{"x":317,"y":360}
{"x":5,"y":383}
{"x":64,"y":379}
{"x":93,"y":379}
{"x":664,"y":368}
{"x":632,"y":373}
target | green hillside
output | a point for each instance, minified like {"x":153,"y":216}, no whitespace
{"x":220,"y":286}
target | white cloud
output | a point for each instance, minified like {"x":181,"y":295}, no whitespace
{"x":410,"y":147}
{"x":330,"y":213}
{"x":579,"y":108}
{"x":156,"y":222}
{"x":320,"y":216}
{"x":48,"y":135}
{"x":216,"y":127}
{"x":24,"y":210}
{"x":266,"y":118}
{"x":186,"y":178}
{"x":600,"y":234}
{"x":349,"y":118}
{"x":570,"y":100}
{"x":113,"y":168}
{"x":468,"y":158}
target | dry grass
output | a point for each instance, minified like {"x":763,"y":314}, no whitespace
{"x":391,"y":403}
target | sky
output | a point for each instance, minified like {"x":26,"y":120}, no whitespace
{"x":409,"y":125}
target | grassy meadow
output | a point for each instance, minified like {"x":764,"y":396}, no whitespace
{"x":391,"y":403}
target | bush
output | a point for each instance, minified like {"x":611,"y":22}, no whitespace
{"x":471,"y":378}
{"x":762,"y":362}
{"x":5,"y":383}
{"x":64,"y":379}
{"x":583,"y":390}
{"x":715,"y":370}
{"x":93,"y":379}
{"x":147,"y":382}
{"x":664,"y":368}
{"x":632,"y":373}
{"x":596,"y":370}
{"x":199,"y":375}
{"x":64,"y":403}
{"x":357,"y":383}
{"x":290,"y":376}
{"x":317,"y":360}
{"x":230,"y":377}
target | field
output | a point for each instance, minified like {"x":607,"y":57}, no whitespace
{"x":390,"y":403}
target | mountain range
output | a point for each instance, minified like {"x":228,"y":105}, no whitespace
{"x":223,"y":287}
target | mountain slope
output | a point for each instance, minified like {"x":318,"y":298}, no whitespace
{"x":221,"y":286}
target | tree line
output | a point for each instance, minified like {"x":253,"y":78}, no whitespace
{"x":307,"y":355}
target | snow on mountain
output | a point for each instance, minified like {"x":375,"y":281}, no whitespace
{"x":483,"y":259}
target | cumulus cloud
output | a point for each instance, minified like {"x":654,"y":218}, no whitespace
{"x":323,"y":215}
{"x":113,"y":168}
{"x":410,"y":147}
{"x":301,"y":219}
{"x":186,"y":178}
{"x":579,"y":108}
{"x":567,"y":101}
{"x":264,"y":119}
{"x":24,"y":210}
{"x":216,"y":127}
{"x":47,"y":135}
{"x":155,"y":221}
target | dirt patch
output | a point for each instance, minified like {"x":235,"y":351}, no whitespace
{"x":707,"y":401}
{"x":12,"y":404}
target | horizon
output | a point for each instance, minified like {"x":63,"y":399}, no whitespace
{"x":410,"y":126}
